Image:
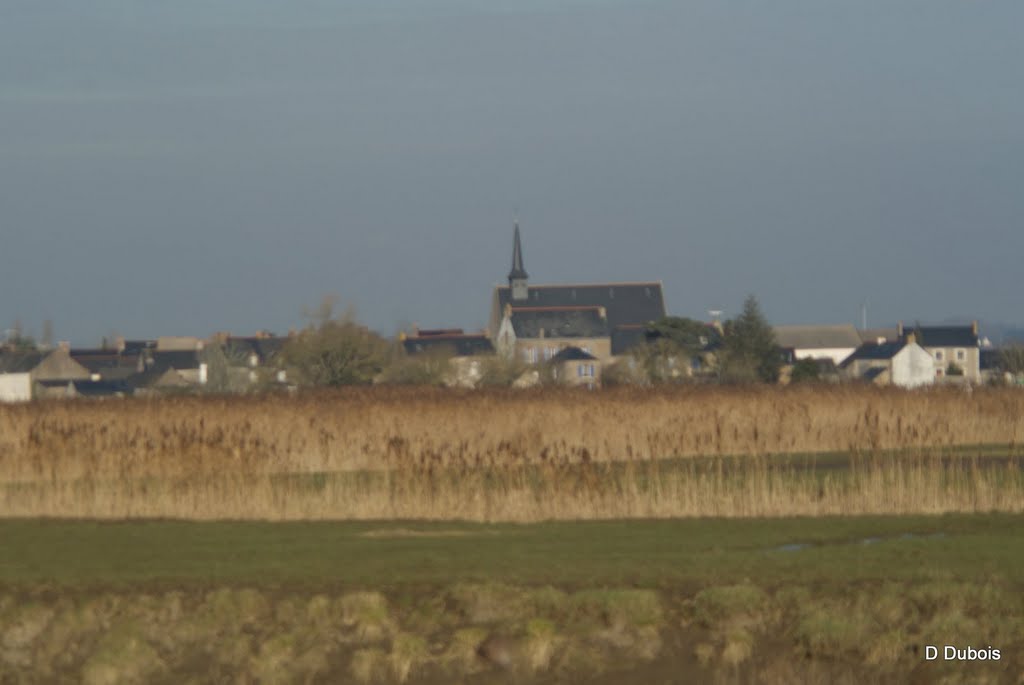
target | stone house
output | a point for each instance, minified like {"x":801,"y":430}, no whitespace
{"x":22,"y":372}
{"x":463,"y":352}
{"x":573,"y":366}
{"x":950,"y":347}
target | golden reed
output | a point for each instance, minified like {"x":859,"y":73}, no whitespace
{"x":418,"y":453}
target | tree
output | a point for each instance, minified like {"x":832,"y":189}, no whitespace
{"x":333,"y":351}
{"x":431,"y":367}
{"x":1011,"y":359}
{"x":805,"y":370}
{"x":689,"y":335}
{"x":954,"y":369}
{"x":749,"y":349}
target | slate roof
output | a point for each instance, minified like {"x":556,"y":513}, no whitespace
{"x":944,"y":336}
{"x":873,"y":373}
{"x":137,"y":346}
{"x":886,"y":350}
{"x":624,"y":303}
{"x":107,"y":363}
{"x":626,"y":337}
{"x":573,"y":354}
{"x":459,"y":344}
{"x":817,"y":337}
{"x":21,"y":361}
{"x":179,"y":360}
{"x":559,"y":322}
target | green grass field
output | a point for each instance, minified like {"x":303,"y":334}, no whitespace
{"x":310,"y":554}
{"x":751,"y":600}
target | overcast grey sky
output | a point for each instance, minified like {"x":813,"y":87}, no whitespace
{"x":198,"y":165}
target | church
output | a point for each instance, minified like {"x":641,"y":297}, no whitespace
{"x":536,"y":322}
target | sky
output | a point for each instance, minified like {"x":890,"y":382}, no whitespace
{"x":206,"y":165}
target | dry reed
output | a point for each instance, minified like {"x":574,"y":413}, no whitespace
{"x":555,"y":454}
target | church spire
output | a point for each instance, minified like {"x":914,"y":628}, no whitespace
{"x":517,"y":277}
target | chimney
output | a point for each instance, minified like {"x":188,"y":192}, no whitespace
{"x":899,"y":329}
{"x":64,"y":345}
{"x":119,"y":343}
{"x":974,"y":327}
{"x":911,"y":338}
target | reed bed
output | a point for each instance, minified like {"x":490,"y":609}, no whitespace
{"x":386,"y":453}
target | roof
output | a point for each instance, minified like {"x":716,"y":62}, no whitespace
{"x":873,"y":334}
{"x":817,"y":337}
{"x":625,"y":338}
{"x":944,"y":336}
{"x":573,"y":354}
{"x":105,"y":362}
{"x":20,"y":361}
{"x":886,"y":350}
{"x":136,"y":346}
{"x":559,"y":322}
{"x":265,"y":348}
{"x":458,"y":344}
{"x":873,"y":373}
{"x":624,"y":303}
{"x":178,"y":360}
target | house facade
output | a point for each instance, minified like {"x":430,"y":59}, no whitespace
{"x":904,"y":364}
{"x":535,"y":322}
{"x":572,"y":366}
{"x":464,"y":353}
{"x":955,"y":350}
{"x":21,"y":372}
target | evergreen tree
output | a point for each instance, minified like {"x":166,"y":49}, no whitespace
{"x":749,"y":349}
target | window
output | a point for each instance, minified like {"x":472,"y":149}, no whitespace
{"x":938,"y":355}
{"x":939,"y":373}
{"x":579,"y":371}
{"x":961,"y":355}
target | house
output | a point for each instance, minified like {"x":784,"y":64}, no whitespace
{"x":904,"y":363}
{"x":536,"y":334}
{"x":835,"y":342}
{"x":463,"y":352}
{"x":878,"y":335}
{"x":955,"y":350}
{"x":247,"y":355}
{"x":110,"y":364}
{"x":22,"y":370}
{"x":98,"y":389}
{"x":535,"y":322}
{"x":573,"y":366}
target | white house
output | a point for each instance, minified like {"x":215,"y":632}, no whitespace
{"x":903,"y":363}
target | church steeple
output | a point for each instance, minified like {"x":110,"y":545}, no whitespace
{"x":517,"y":277}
